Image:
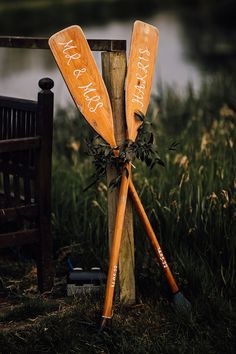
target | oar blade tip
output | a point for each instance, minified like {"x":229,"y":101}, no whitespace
{"x":81,"y":74}
{"x":141,"y":67}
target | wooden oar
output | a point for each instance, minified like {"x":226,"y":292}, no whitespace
{"x":140,"y":73}
{"x":79,"y":70}
{"x":138,"y":86}
{"x":141,"y":67}
{"x":77,"y":65}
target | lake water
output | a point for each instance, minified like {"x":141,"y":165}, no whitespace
{"x":20,"y":69}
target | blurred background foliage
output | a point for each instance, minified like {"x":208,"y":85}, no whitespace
{"x":210,"y":26}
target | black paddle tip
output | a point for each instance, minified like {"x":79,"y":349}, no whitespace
{"x":181,"y":304}
{"x":106,"y":325}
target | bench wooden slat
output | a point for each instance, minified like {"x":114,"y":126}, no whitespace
{"x":16,"y":188}
{"x":25,"y":211}
{"x":19,"y":144}
{"x":19,"y":238}
{"x":18,"y":103}
{"x":6,"y":187}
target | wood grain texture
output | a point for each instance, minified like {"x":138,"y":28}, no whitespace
{"x":114,"y":71}
{"x":79,"y":69}
{"x":115,"y":249}
{"x":141,"y":66}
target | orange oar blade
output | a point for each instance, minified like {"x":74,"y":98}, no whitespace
{"x":140,"y":73}
{"x":80,"y":72}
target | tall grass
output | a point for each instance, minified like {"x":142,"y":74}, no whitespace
{"x":191,"y":201}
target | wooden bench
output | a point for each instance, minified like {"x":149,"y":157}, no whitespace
{"x":25,"y":176}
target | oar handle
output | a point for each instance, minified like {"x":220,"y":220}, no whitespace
{"x":152,"y":237}
{"x":116,"y":242}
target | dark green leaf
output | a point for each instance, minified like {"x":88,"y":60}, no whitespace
{"x":173,"y":146}
{"x":140,"y":116}
{"x":151,"y":139}
{"x":160,"y":162}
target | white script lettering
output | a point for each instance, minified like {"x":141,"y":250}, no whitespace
{"x":78,"y":72}
{"x":94,"y":101}
{"x":141,"y":76}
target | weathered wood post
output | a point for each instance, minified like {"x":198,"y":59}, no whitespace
{"x":114,"y":71}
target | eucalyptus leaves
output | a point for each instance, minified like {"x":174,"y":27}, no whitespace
{"x":143,"y":149}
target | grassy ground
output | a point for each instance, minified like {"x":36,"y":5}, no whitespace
{"x":191,"y":203}
{"x":52,"y":323}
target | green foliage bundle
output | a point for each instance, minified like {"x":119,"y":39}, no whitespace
{"x":143,"y":149}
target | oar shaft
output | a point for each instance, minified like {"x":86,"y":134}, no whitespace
{"x":116,"y":242}
{"x":127,"y":185}
{"x":152,"y":237}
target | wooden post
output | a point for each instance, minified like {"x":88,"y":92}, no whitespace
{"x":114,"y":71}
{"x":45,"y":126}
